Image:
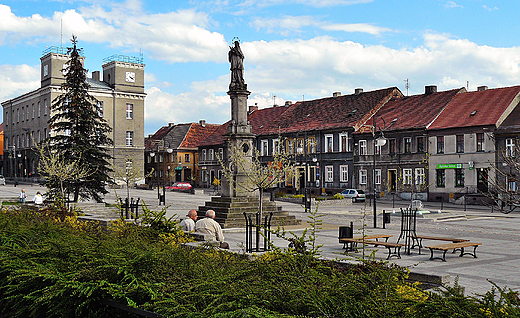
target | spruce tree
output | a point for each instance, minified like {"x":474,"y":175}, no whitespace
{"x":80,"y":133}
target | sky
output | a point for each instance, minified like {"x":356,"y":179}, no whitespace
{"x":294,"y":50}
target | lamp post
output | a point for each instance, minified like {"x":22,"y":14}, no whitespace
{"x":169,"y":151}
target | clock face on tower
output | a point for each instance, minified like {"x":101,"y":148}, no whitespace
{"x":130,"y":77}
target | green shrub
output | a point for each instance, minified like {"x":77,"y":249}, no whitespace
{"x":337,"y":196}
{"x":53,"y":268}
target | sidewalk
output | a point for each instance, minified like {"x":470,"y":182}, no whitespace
{"x":498,"y":256}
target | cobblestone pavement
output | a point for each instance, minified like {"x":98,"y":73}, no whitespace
{"x":498,"y":257}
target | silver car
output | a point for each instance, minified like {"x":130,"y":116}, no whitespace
{"x":2,"y":180}
{"x":354,"y":194}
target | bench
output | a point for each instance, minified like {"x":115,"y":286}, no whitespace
{"x":449,"y":246}
{"x":389,"y":246}
{"x":420,"y":238}
{"x":350,"y":243}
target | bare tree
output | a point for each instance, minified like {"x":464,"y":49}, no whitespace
{"x":259,"y":175}
{"x":55,"y":168}
{"x":130,"y":173}
{"x":504,"y":190}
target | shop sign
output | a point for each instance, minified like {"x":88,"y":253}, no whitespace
{"x":449,"y":166}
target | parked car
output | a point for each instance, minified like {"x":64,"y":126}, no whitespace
{"x":354,"y":194}
{"x":2,"y":180}
{"x":180,"y":186}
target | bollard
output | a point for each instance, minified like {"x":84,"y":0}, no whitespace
{"x":386,"y":219}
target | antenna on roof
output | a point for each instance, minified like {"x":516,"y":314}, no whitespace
{"x":407,"y":86}
{"x":467,"y":86}
{"x":274,"y":100}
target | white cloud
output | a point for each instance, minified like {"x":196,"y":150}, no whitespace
{"x":356,"y":27}
{"x":451,"y":4}
{"x":312,"y":3}
{"x":179,"y":36}
{"x":16,"y":80}
{"x":162,"y":108}
{"x":489,"y":8}
{"x":292,"y":24}
{"x":322,"y":65}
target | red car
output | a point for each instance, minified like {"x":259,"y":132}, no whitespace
{"x":180,"y":186}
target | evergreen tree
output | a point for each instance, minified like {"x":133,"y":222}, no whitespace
{"x":80,"y":133}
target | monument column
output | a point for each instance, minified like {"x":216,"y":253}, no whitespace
{"x":239,"y":135}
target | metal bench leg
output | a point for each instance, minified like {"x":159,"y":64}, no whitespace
{"x":443,"y":255}
{"x":474,"y":254}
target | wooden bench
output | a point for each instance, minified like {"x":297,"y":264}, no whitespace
{"x":449,"y":246}
{"x":389,"y":246}
{"x":350,"y":243}
{"x":420,"y":238}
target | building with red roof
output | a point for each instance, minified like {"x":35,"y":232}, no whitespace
{"x":172,"y":152}
{"x":317,"y":132}
{"x":468,"y":141}
{"x":400,"y":165}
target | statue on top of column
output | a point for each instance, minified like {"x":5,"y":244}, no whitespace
{"x":236,"y":58}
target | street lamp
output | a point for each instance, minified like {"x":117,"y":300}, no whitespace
{"x":169,"y":151}
{"x":378,"y":142}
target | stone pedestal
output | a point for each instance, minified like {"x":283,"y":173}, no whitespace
{"x":229,"y":211}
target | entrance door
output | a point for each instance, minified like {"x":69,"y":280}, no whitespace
{"x":392,"y":180}
{"x":482,"y":179}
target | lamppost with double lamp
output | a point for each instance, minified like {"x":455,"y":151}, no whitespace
{"x":379,"y":142}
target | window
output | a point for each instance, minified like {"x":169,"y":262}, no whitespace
{"x":419,"y":176}
{"x":407,"y":144}
{"x":328,"y":143}
{"x":187,"y":157}
{"x":39,"y":109}
{"x":343,"y":142}
{"x":221,"y":154}
{"x":391,"y":146}
{"x":362,"y":177}
{"x":362,"y":147}
{"x":129,"y":111}
{"x":329,"y":173}
{"x":33,"y":110}
{"x":299,"y":146}
{"x":460,"y":143}
{"x":407,"y":176}
{"x":312,"y":145}
{"x":441,"y":178}
{"x":128,"y":165}
{"x":276,"y":146}
{"x":211,"y":155}
{"x":377,"y":176}
{"x":203,"y":155}
{"x":129,"y":138}
{"x":459,"y":177}
{"x":264,"y":150}
{"x":343,"y":173}
{"x":420,"y":144}
{"x":290,"y":146}
{"x":45,"y":106}
{"x":101,"y":106}
{"x":27,"y":114}
{"x":23,"y":116}
{"x":480,"y":142}
{"x":440,"y":144}
{"x":161,"y":158}
{"x":510,"y":147}
{"x":44,"y":133}
{"x":511,"y":184}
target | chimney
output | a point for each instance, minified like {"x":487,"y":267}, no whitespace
{"x":95,"y":75}
{"x":288,"y":103}
{"x":482,"y":88}
{"x":336,"y":94}
{"x":430,"y":89}
{"x":358,"y":91}
{"x":253,"y":108}
{"x":202,"y":122}
{"x":171,"y":124}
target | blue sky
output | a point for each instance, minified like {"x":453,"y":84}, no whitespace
{"x":300,"y":49}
